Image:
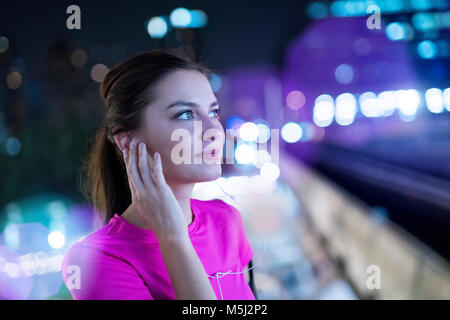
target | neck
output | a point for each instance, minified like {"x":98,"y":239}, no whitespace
{"x":182,"y":192}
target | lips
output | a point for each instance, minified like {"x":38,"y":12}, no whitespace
{"x":211,"y":154}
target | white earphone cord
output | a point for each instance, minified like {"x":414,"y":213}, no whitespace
{"x":222,"y":274}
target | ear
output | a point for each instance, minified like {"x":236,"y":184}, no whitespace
{"x":122,"y":140}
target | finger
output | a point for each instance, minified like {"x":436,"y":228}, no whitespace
{"x":143,"y":166}
{"x":135,"y":174}
{"x":158,"y":171}
{"x":126,"y":155}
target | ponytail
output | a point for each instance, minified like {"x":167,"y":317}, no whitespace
{"x":106,"y":180}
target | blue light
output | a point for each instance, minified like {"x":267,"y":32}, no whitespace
{"x":317,"y":10}
{"x":421,"y":4}
{"x":423,"y":21}
{"x":344,"y":73}
{"x":427,"y":49}
{"x":157,"y":27}
{"x":396,"y":31}
{"x":234,"y":122}
{"x":216,"y":82}
{"x":198,"y":19}
{"x":180,"y":17}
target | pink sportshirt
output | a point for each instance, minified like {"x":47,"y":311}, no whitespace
{"x":123,"y":261}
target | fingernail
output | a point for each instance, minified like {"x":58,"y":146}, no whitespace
{"x":133,"y":142}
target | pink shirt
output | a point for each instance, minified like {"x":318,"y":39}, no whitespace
{"x":123,"y":261}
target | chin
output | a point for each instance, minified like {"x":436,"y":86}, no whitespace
{"x":202,"y":173}
{"x":208,"y":172}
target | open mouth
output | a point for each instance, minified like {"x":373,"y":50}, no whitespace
{"x":213,"y":154}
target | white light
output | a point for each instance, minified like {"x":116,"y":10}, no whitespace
{"x":408,"y":102}
{"x":323,"y":111}
{"x":157,"y":27}
{"x":261,"y":158}
{"x":263,"y":133}
{"x":434,"y":100}
{"x":387,"y":102}
{"x":369,"y":104}
{"x":291,"y":132}
{"x":244,"y":154}
{"x":180,"y":17}
{"x":56,"y":239}
{"x":12,"y":270}
{"x":248,"y":131}
{"x":345,"y":109}
{"x":446,"y":95}
{"x":270,"y":171}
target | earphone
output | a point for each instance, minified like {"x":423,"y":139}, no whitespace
{"x":218,"y":275}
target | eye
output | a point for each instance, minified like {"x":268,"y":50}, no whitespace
{"x":217,"y":113}
{"x":187,"y":114}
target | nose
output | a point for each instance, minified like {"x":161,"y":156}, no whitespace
{"x":215,"y":128}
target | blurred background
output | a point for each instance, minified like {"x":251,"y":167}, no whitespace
{"x":354,"y":203}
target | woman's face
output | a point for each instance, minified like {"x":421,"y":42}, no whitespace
{"x":186,"y":123}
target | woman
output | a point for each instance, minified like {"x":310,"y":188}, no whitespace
{"x":157,"y":242}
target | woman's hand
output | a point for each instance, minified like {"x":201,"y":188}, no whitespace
{"x":151,"y":195}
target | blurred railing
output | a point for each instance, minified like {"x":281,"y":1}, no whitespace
{"x":358,"y":239}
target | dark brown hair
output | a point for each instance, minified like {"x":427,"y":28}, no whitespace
{"x":126,"y":90}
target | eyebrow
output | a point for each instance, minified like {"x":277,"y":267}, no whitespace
{"x":188,"y":103}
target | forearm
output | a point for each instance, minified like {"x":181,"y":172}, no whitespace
{"x":186,"y":271}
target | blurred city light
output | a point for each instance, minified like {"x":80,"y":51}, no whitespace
{"x":345,"y":109}
{"x":387,"y":102}
{"x":434,"y":100}
{"x":4,"y":44}
{"x":408,"y":101}
{"x":14,"y":80}
{"x":446,"y":95}
{"x":245,"y":153}
{"x":427,"y":49}
{"x":263,"y":133}
{"x":157,"y":27}
{"x":295,"y":99}
{"x":248,"y":131}
{"x":270,"y":171}
{"x":369,"y":105}
{"x":98,"y":72}
{"x":180,"y":17}
{"x":56,"y":239}
{"x":234,"y":122}
{"x":216,"y":82}
{"x":399,"y":31}
{"x":344,"y":74}
{"x":291,"y":132}
{"x":199,"y":19}
{"x":261,"y":158}
{"x":323,"y":112}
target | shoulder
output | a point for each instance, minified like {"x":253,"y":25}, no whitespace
{"x":220,"y":213}
{"x":217,"y":207}
{"x":94,"y":247}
